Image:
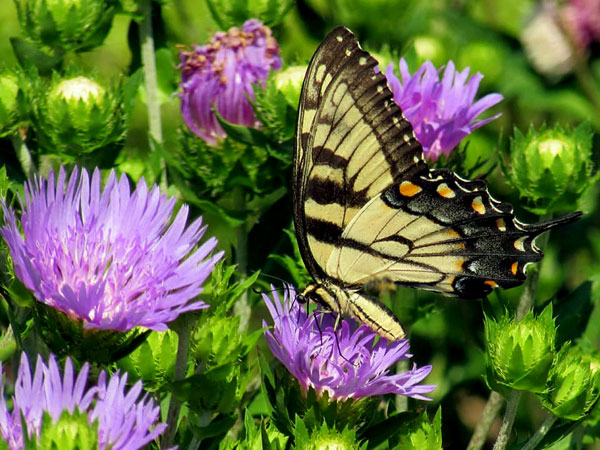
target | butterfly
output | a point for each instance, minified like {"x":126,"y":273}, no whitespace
{"x":368,"y":209}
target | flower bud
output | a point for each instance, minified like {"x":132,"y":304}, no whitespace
{"x":74,"y":25}
{"x":324,"y":438}
{"x":521,"y":354}
{"x":573,"y":383}
{"x":72,"y":431}
{"x":232,"y":13}
{"x":552,"y":167}
{"x":78,"y":115}
{"x":419,"y":433}
{"x":289,"y":82}
{"x":9,"y":105}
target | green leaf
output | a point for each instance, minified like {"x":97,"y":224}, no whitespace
{"x":29,"y":54}
{"x":240,"y":133}
{"x":573,"y":313}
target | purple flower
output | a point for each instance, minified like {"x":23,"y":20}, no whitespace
{"x":441,"y":112}
{"x":221,"y":75}
{"x":124,"y":420}
{"x":311,"y":352}
{"x":112,"y":258}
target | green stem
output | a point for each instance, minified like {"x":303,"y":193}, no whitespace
{"x":402,"y":400}
{"x":490,"y":412}
{"x":508,"y":421}
{"x":540,"y":433}
{"x":23,"y":154}
{"x":151,"y":81}
{"x":183,"y":328}
{"x":526,"y":302}
{"x":241,"y":308}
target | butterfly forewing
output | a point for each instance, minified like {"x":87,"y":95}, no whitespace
{"x":352,"y":143}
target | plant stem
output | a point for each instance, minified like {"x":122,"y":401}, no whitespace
{"x":527,"y":299}
{"x":540,"y":433}
{"x":151,"y":81}
{"x":241,"y":308}
{"x":526,"y":302}
{"x":402,"y":400}
{"x":489,"y":414}
{"x":183,"y":328}
{"x":23,"y":154}
{"x":509,"y":419}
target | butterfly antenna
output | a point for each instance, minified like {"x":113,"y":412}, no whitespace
{"x":260,"y":292}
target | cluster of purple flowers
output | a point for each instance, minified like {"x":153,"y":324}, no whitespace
{"x":125,"y":421}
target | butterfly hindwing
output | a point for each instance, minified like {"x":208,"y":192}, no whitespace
{"x":437,"y":232}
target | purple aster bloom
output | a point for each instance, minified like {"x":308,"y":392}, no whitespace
{"x":124,"y":420}
{"x":112,"y":258}
{"x":311,"y":352}
{"x":221,"y":75}
{"x":441,"y":112}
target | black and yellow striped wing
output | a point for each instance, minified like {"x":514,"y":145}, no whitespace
{"x":367,"y":207}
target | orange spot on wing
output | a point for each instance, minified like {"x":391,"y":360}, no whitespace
{"x":514,"y":268}
{"x":409,"y":189}
{"x":478,"y":205}
{"x":491,"y":283}
{"x":501,"y":224}
{"x":445,"y":191}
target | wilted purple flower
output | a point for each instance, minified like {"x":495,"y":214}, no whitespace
{"x":441,"y":112}
{"x":221,"y":74}
{"x":124,"y":420}
{"x":112,"y":258}
{"x":311,"y":352}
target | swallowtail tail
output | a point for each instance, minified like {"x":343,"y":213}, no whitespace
{"x":368,"y":209}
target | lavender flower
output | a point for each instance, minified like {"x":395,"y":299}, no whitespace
{"x":311,"y":352}
{"x":113,"y":259}
{"x":441,"y":112}
{"x":221,"y":75}
{"x":124,"y":420}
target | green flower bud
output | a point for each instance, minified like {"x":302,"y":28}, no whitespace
{"x":552,"y":167}
{"x":573,"y":383}
{"x":9,"y":105}
{"x":72,"y":431}
{"x":289,"y":82}
{"x":233,"y":13}
{"x":325,"y":438}
{"x":521,"y":354}
{"x":421,"y":434}
{"x":76,"y":116}
{"x":71,"y":24}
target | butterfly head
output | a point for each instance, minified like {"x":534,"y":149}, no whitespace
{"x":322,"y":295}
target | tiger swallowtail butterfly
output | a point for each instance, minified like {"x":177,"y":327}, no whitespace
{"x":368,"y":209}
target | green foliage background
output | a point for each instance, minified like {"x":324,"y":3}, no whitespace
{"x":483,"y":35}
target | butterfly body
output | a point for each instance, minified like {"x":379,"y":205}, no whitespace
{"x":368,"y":209}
